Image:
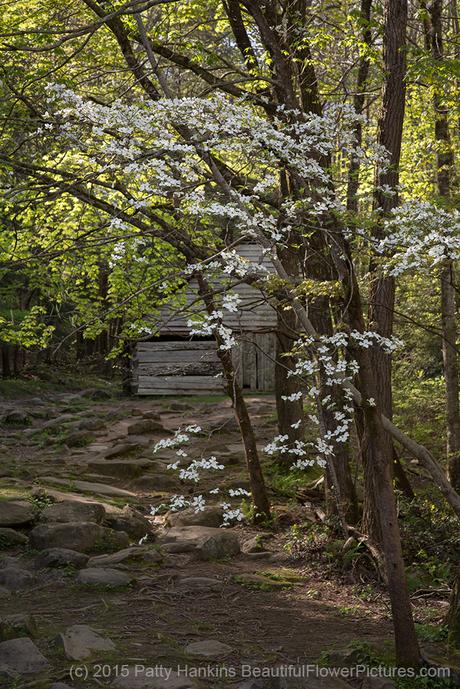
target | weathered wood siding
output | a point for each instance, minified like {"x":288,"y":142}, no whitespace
{"x":193,"y":368}
{"x":254,"y":314}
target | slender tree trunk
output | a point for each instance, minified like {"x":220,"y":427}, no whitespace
{"x":359,"y":100}
{"x":382,"y":292}
{"x":444,"y":166}
{"x":379,"y":465}
{"x":256,"y":478}
{"x":291,"y":415}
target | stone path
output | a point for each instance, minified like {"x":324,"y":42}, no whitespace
{"x":78,"y":591}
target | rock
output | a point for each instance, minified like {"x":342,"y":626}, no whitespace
{"x":121,"y":449}
{"x":253,"y":545}
{"x":6,"y":561}
{"x":120,"y":468}
{"x":145,"y":426}
{"x":8,"y":675}
{"x":14,"y":578}
{"x":71,"y":511}
{"x":4,"y":593}
{"x":156,"y":483}
{"x":15,"y":417}
{"x":210,"y":516}
{"x":84,"y":537}
{"x":201,"y":583}
{"x":60,"y":557}
{"x":10,"y":537}
{"x":208,"y":648}
{"x":180,"y":406}
{"x":100,"y":576}
{"x":151,"y":414}
{"x":14,"y":626}
{"x":22,"y":656}
{"x":91,"y":487}
{"x":60,"y":685}
{"x":79,"y":438}
{"x":130,"y":521}
{"x":96,"y":394}
{"x":14,"y":513}
{"x":91,"y":425}
{"x":206,"y":542}
{"x":80,"y":642}
{"x":163,"y":678}
{"x":126,"y":555}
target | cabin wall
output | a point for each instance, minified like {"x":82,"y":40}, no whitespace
{"x":193,"y":368}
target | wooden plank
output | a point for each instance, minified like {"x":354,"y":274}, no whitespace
{"x":184,"y":382}
{"x":172,"y":369}
{"x":176,"y":392}
{"x":166,"y":345}
{"x":177,"y":357}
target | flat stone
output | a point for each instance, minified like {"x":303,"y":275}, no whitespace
{"x":71,"y":511}
{"x":209,"y":516}
{"x":60,"y":685}
{"x":127,"y":554}
{"x":91,"y":487}
{"x":10,"y":537}
{"x":206,"y":542}
{"x":91,"y":425}
{"x":208,"y":648}
{"x":14,"y":513}
{"x":22,"y":656}
{"x":79,"y":438}
{"x":80,"y":642}
{"x":15,"y":417}
{"x":122,"y":449}
{"x":100,"y":576}
{"x":120,"y":468}
{"x":166,"y":679}
{"x":218,"y":545}
{"x":156,"y":483}
{"x":84,"y":537}
{"x":7,"y":561}
{"x":151,"y":414}
{"x":145,"y":426}
{"x":14,"y":578}
{"x":7,"y":674}
{"x":253,"y":545}
{"x":130,"y":521}
{"x":60,"y":557}
{"x":15,"y":626}
{"x":202,"y":583}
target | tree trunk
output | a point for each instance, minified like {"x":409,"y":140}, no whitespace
{"x":453,"y":617}
{"x":289,"y":413}
{"x":444,"y":165}
{"x":382,"y":292}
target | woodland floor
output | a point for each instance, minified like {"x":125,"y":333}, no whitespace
{"x":152,"y":621}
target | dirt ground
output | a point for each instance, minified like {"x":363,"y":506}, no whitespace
{"x":154,"y":619}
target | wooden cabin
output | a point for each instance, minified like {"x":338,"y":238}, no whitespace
{"x":174,"y":363}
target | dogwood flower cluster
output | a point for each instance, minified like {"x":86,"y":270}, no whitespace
{"x":419,"y":236}
{"x":327,"y":359}
{"x":189,"y":470}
